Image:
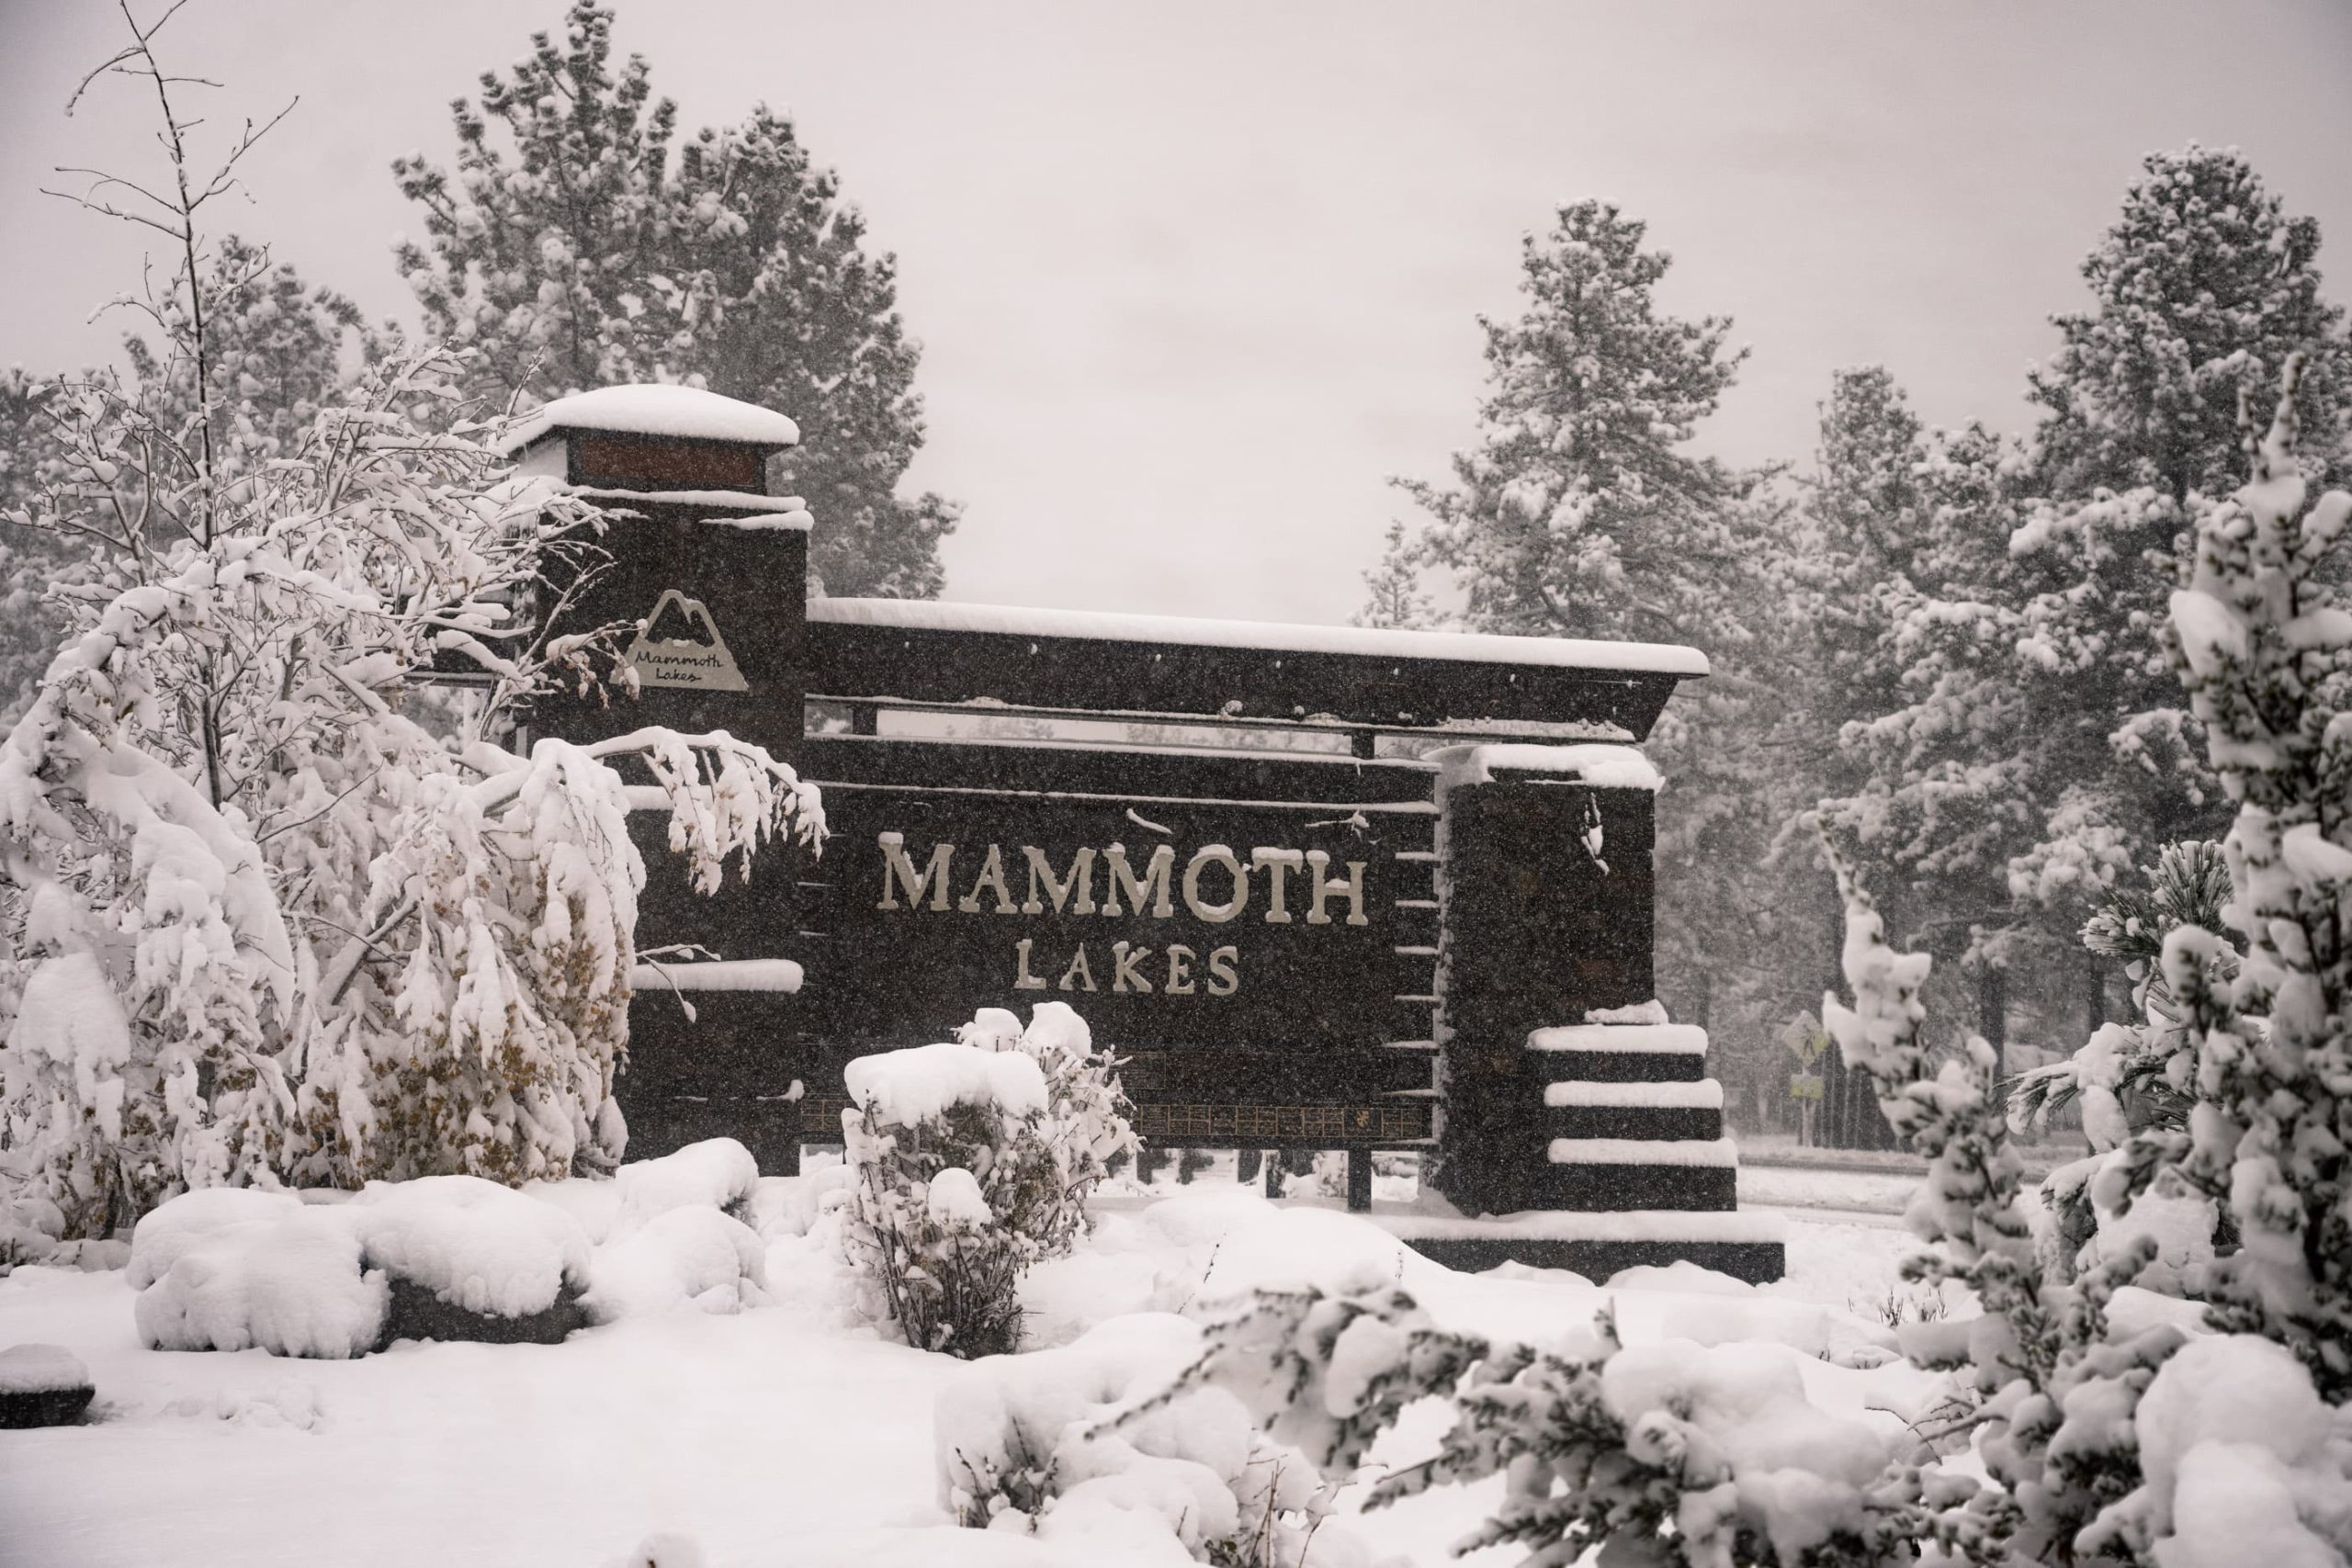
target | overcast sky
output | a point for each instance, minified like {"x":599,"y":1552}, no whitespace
{"x":1194,"y":279}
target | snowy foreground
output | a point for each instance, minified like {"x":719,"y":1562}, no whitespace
{"x":789,"y":1433}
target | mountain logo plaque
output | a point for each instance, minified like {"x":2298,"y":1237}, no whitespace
{"x":679,"y":645}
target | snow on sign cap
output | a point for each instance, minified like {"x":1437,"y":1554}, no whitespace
{"x":688,"y":413}
{"x":1277,"y":637}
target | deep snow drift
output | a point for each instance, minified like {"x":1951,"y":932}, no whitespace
{"x":731,"y":1395}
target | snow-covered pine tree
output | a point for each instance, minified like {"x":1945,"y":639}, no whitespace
{"x":2200,"y":290}
{"x":1582,"y":512}
{"x":571,"y":252}
{"x":1393,"y":595}
{"x":2263,"y":643}
{"x":1931,"y":767}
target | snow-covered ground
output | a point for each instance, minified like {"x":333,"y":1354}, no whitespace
{"x":787,"y":1434}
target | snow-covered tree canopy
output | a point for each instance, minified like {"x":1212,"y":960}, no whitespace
{"x":274,"y":912}
{"x":573,"y":252}
{"x":342,"y":934}
{"x":1579,"y":513}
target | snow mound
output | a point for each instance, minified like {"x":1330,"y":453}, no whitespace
{"x":680,"y":1257}
{"x":179,"y":1224}
{"x":42,"y":1369}
{"x":685,"y":412}
{"x":718,"y":1173}
{"x":2235,"y":1444}
{"x":1293,"y":1249}
{"x":593,"y":1201}
{"x":1682,"y":1275}
{"x":955,"y":1202}
{"x":1202,"y":1216}
{"x":479,"y":1246}
{"x":788,"y":1205}
{"x":1070,"y":1445}
{"x":920,"y":1083}
{"x":290,"y":1284}
{"x":1739,"y":1413}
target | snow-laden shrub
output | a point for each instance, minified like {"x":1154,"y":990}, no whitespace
{"x":2128,"y":1077}
{"x":1086,"y":1121}
{"x":1087,"y":1444}
{"x":972,"y":1160}
{"x":1672,"y":1453}
{"x":268,"y":919}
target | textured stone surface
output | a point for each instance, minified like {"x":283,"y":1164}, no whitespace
{"x":1632,"y":1121}
{"x":418,"y":1314}
{"x":1634,"y":1186}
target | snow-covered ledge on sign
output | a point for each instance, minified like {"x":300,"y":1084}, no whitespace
{"x":680,"y":413}
{"x":1273,"y":636}
{"x":1599,"y":765}
{"x":774,"y":974}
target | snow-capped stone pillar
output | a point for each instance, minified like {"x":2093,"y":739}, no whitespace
{"x":711,"y":571}
{"x":1546,"y":899}
{"x":712,"y":567}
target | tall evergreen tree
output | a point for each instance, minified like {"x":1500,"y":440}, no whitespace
{"x":2201,"y":290}
{"x":571,"y":250}
{"x":1582,"y":512}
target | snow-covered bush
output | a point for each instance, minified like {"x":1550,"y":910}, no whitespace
{"x":2128,"y":1077}
{"x":972,"y":1160}
{"x":275,"y":927}
{"x":1670,"y":1453}
{"x":1088,"y":1444}
{"x":1086,"y":1120}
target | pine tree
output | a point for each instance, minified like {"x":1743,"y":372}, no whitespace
{"x":1393,"y":596}
{"x":1935,"y":744}
{"x":1580,"y":513}
{"x":571,"y":252}
{"x":2202,"y":289}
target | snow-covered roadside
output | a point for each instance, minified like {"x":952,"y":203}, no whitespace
{"x":786,"y":1434}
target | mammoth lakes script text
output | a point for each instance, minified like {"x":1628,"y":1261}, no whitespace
{"x":1216,"y":886}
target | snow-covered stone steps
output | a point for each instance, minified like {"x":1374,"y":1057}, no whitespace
{"x":1748,"y":1246}
{"x":1638,"y":1109}
{"x":1620,"y":1053}
{"x":1638,"y":1173}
